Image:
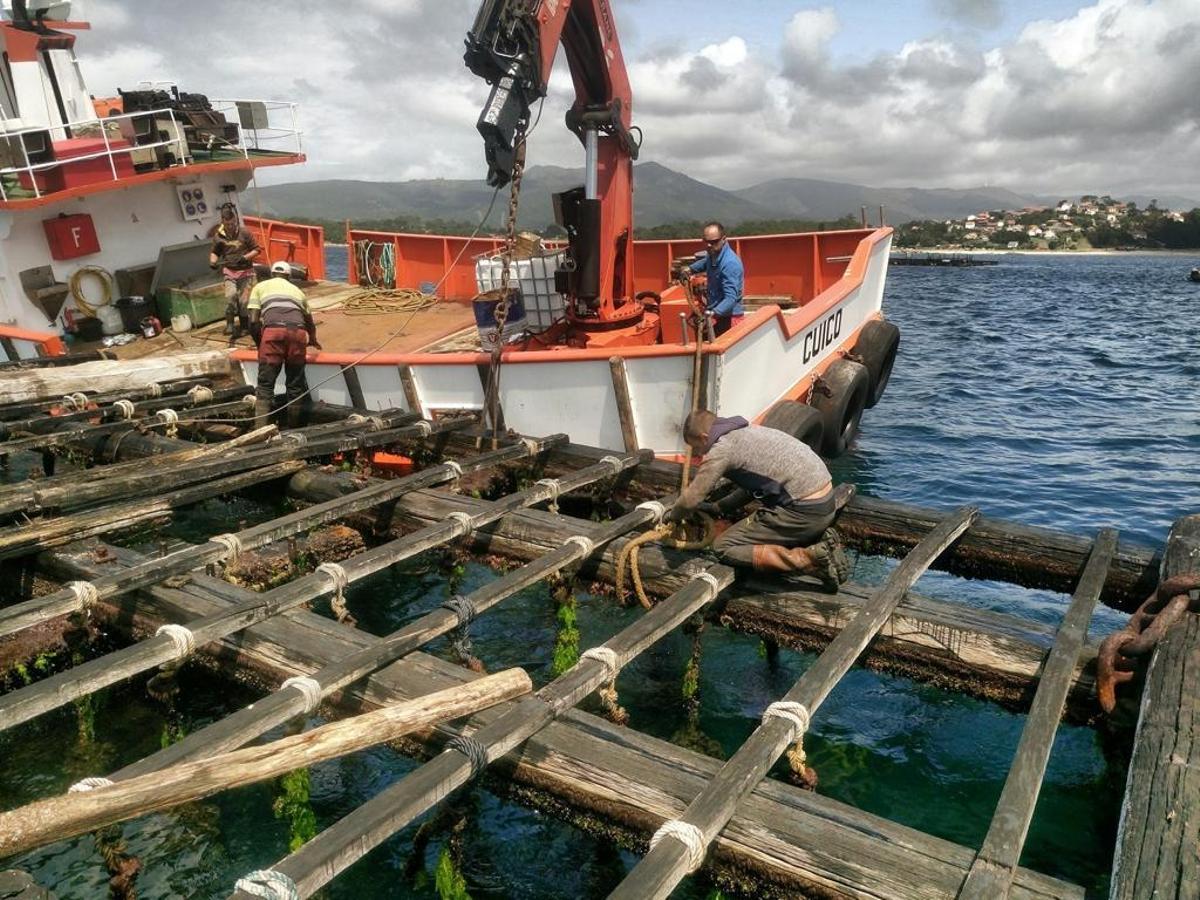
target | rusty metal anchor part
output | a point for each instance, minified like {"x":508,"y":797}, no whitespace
{"x":1121,"y":651}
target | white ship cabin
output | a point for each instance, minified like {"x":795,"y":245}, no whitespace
{"x":93,"y":189}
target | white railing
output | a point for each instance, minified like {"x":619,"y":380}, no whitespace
{"x":260,"y":135}
{"x":265,"y":124}
{"x":84,"y":128}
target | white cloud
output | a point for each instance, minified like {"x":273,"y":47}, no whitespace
{"x":1104,"y":99}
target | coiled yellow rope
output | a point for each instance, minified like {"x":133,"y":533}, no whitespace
{"x":628,"y":557}
{"x":381,"y":301}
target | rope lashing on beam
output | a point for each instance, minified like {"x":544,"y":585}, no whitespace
{"x":454,"y":467}
{"x":531,"y":446}
{"x":297,"y":438}
{"x":181,"y":636}
{"x":85,"y":592}
{"x":687,"y":834}
{"x":627,"y":559}
{"x":586,"y":544}
{"x":249,"y":400}
{"x":154,"y":389}
{"x":268,"y":884}
{"x":460,"y":636}
{"x":606,"y":656}
{"x":125,"y":408}
{"x":170,"y":418}
{"x":424,"y":427}
{"x":200,"y":394}
{"x":77,"y":401}
{"x":617,"y":465}
{"x":658,"y":509}
{"x":476,"y":752}
{"x":89,"y":784}
{"x":465,"y":521}
{"x":794,"y":713}
{"x":710,"y":580}
{"x":232,"y":544}
{"x":310,"y":688}
{"x":552,"y":485}
{"x":375,"y":422}
{"x":340,"y":580}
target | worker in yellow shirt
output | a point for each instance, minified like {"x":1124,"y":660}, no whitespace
{"x":282,"y":326}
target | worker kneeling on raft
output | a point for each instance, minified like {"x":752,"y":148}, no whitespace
{"x":282,"y":326}
{"x":792,"y":532}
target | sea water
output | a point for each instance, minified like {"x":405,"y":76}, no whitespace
{"x":1055,"y":391}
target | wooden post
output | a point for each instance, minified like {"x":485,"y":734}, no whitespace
{"x":995,"y":865}
{"x":179,"y":641}
{"x":1157,"y":853}
{"x":22,"y":615}
{"x":411,"y":394}
{"x":78,"y":813}
{"x":286,"y":703}
{"x":667,"y":862}
{"x":347,"y":841}
{"x":620,"y":379}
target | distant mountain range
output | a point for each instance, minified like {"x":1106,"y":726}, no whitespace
{"x":661,"y":196}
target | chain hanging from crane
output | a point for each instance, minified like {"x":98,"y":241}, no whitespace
{"x":492,"y":398}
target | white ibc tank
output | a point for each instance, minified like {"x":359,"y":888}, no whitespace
{"x":535,"y":277}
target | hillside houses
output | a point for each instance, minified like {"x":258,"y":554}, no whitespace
{"x":1091,"y":220}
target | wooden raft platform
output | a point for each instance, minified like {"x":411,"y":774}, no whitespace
{"x":753,"y":834}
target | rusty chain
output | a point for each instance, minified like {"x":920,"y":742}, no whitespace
{"x":1121,"y":651}
{"x":501,"y":313}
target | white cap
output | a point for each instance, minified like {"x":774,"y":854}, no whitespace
{"x":281,"y":268}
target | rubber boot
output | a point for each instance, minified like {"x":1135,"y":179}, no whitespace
{"x":816,"y":561}
{"x":230,"y":318}
{"x":262,"y":413}
{"x":295,"y":415}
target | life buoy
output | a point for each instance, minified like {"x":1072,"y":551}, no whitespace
{"x":840,"y":399}
{"x":877,"y":345}
{"x":797,"y":419}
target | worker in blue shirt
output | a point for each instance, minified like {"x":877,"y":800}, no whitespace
{"x":725,"y":278}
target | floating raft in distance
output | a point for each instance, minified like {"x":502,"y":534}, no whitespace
{"x":948,"y":260}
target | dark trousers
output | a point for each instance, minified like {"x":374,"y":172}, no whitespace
{"x":799,"y":524}
{"x":282,"y":349}
{"x":722,"y":324}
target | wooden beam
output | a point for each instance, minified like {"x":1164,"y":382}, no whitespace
{"x":620,"y":379}
{"x":613,"y":780}
{"x":111,"y":375}
{"x":32,"y":701}
{"x":72,"y":814}
{"x":1158,"y":844}
{"x":670,"y":860}
{"x":283,"y":705}
{"x":992,"y":872}
{"x":411,"y":394}
{"x":22,"y":615}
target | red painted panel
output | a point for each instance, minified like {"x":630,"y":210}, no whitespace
{"x":290,"y":242}
{"x":71,"y":236}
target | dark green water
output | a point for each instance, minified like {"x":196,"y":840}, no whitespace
{"x":1046,"y":390}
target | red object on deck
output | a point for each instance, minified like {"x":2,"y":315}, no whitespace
{"x":392,"y":462}
{"x":74,"y":172}
{"x":71,"y":236}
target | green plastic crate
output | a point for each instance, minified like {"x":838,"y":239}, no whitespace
{"x":201,"y":303}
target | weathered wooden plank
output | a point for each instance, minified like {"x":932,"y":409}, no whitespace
{"x":1158,"y":844}
{"x":179,"y":641}
{"x":982,"y":653}
{"x":348,"y":840}
{"x":620,"y":380}
{"x":991,"y":874}
{"x":111,"y":375}
{"x":623,"y":781}
{"x":77,"y":813}
{"x":669,"y":860}
{"x":995,"y":549}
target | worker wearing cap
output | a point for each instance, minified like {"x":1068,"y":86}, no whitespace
{"x":282,"y":325}
{"x":726,"y":278}
{"x":234,"y":250}
{"x":792,"y":533}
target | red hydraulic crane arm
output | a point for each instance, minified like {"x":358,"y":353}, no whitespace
{"x":512,"y":45}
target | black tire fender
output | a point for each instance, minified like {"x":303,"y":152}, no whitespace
{"x":799,"y":420}
{"x":840,"y":397}
{"x":876,"y":346}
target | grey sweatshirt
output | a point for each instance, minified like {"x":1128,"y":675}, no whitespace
{"x":772,"y":466}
